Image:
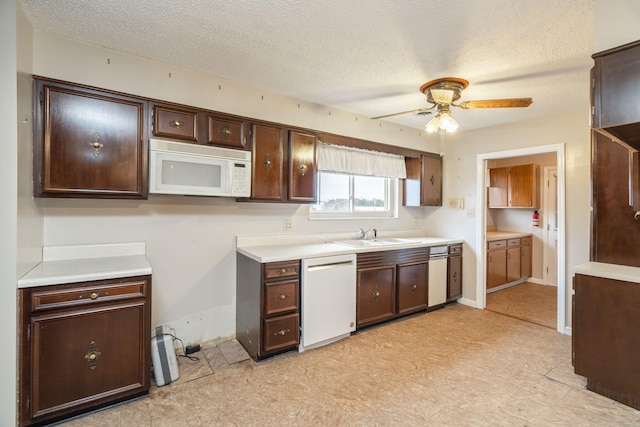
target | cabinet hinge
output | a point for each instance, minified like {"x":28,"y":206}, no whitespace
{"x":28,"y":402}
{"x":28,"y":332}
{"x":593,"y":83}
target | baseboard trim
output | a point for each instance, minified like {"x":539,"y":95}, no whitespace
{"x":468,"y":302}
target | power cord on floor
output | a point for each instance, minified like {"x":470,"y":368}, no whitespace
{"x":183,"y":353}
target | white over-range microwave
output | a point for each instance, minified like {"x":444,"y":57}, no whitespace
{"x":198,"y":170}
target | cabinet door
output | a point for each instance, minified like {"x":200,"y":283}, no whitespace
{"x":268,"y":159}
{"x":84,"y":357}
{"x":522,"y":186}
{"x":525,"y":259}
{"x":174,"y":123}
{"x":513,"y":263}
{"x":498,"y":187}
{"x":412,"y":287}
{"x":454,"y":273}
{"x":302,"y":170}
{"x":89,"y":144}
{"x":431,"y":180}
{"x":496,"y":268}
{"x":225,"y":131}
{"x":412,"y":190}
{"x":376,"y":294}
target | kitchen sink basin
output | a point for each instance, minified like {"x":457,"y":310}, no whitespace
{"x":368,"y":243}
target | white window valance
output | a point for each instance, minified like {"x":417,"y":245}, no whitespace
{"x":339,"y":158}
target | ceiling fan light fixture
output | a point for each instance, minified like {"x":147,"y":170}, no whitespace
{"x":442,"y":96}
{"x":434,"y":124}
{"x":447,"y":122}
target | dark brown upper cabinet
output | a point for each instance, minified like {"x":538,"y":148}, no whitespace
{"x":615,"y":91}
{"x":423,"y":186}
{"x":174,"y":123}
{"x":282,"y":173}
{"x":88,"y":143}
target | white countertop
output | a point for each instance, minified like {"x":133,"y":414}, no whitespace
{"x":81,"y":263}
{"x":284,"y":252}
{"x":501,"y":235}
{"x":609,"y":271}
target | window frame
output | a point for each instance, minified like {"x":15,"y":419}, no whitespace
{"x":392,"y":194}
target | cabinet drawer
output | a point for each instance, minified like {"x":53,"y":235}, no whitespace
{"x":173,"y":123}
{"x":525,"y":241}
{"x":281,"y":269}
{"x":281,"y":296}
{"x":455,"y":250}
{"x":513,"y":243}
{"x":281,"y":332}
{"x":497,"y":244}
{"x":50,"y":299}
{"x":222,"y":131}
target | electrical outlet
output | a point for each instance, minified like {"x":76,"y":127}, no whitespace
{"x":471,"y":213}
{"x":287,"y":225}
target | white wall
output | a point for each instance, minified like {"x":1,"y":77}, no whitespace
{"x":190,"y":240}
{"x":571,"y":129}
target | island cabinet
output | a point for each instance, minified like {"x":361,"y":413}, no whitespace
{"x":454,"y":273}
{"x":267,"y":306}
{"x":606,"y":348}
{"x":186,"y":124}
{"x":83,"y":346}
{"x":283,"y":171}
{"x":423,"y":185}
{"x":390,"y":284}
{"x":514,"y":187}
{"x":88,"y":143}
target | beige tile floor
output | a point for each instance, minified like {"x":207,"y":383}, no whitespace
{"x":452,"y":367}
{"x":527,"y":301}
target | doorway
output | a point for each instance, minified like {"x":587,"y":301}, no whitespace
{"x":559,"y":229}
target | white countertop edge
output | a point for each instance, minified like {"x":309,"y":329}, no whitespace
{"x":285,"y":252}
{"x":63,"y":252}
{"x":85,"y":269}
{"x":608,"y":271}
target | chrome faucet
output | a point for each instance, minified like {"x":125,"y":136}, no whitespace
{"x":363,"y":234}
{"x":366,"y":234}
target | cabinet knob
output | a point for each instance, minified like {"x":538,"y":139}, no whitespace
{"x":376,"y":294}
{"x":176,"y":124}
{"x":303,"y":169}
{"x":283,"y":270}
{"x":267,"y":162}
{"x":455,"y":276}
{"x":94,"y":295}
{"x":226,"y":132}
{"x":281,"y":332}
{"x":96,"y":144}
{"x":92,"y":355}
{"x":281,"y":296}
{"x":432,"y":180}
{"x":414,"y":287}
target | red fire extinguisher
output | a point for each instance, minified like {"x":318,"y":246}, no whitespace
{"x":535,"y":218}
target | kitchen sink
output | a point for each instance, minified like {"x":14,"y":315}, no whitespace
{"x":362,"y":243}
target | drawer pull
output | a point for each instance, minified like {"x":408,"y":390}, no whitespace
{"x":94,"y":295}
{"x":281,"y":296}
{"x":376,"y":294}
{"x":283,"y":270}
{"x":176,"y":124}
{"x":282,"y":332}
{"x":92,"y":355}
{"x":226,"y":132}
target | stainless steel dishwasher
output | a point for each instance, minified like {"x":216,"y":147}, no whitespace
{"x":437,"y":275}
{"x":328,"y":295}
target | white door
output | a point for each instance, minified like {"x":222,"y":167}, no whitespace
{"x":550,"y":224}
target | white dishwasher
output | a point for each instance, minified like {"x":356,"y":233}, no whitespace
{"x":437,"y":275}
{"x":328,"y":311}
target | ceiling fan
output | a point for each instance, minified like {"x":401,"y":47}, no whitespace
{"x":442,"y":93}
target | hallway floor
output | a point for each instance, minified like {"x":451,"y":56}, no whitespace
{"x":527,"y":301}
{"x":457,"y":366}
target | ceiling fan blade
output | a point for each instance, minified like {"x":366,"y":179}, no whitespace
{"x":419,"y":110}
{"x":497,"y":103}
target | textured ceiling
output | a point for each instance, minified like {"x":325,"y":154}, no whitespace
{"x":365,"y":56}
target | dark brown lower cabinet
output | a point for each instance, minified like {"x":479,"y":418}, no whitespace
{"x":412,"y":287}
{"x":83,"y":346}
{"x":376,"y":294}
{"x":606,"y":347}
{"x":454,"y":273}
{"x":267,"y":306}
